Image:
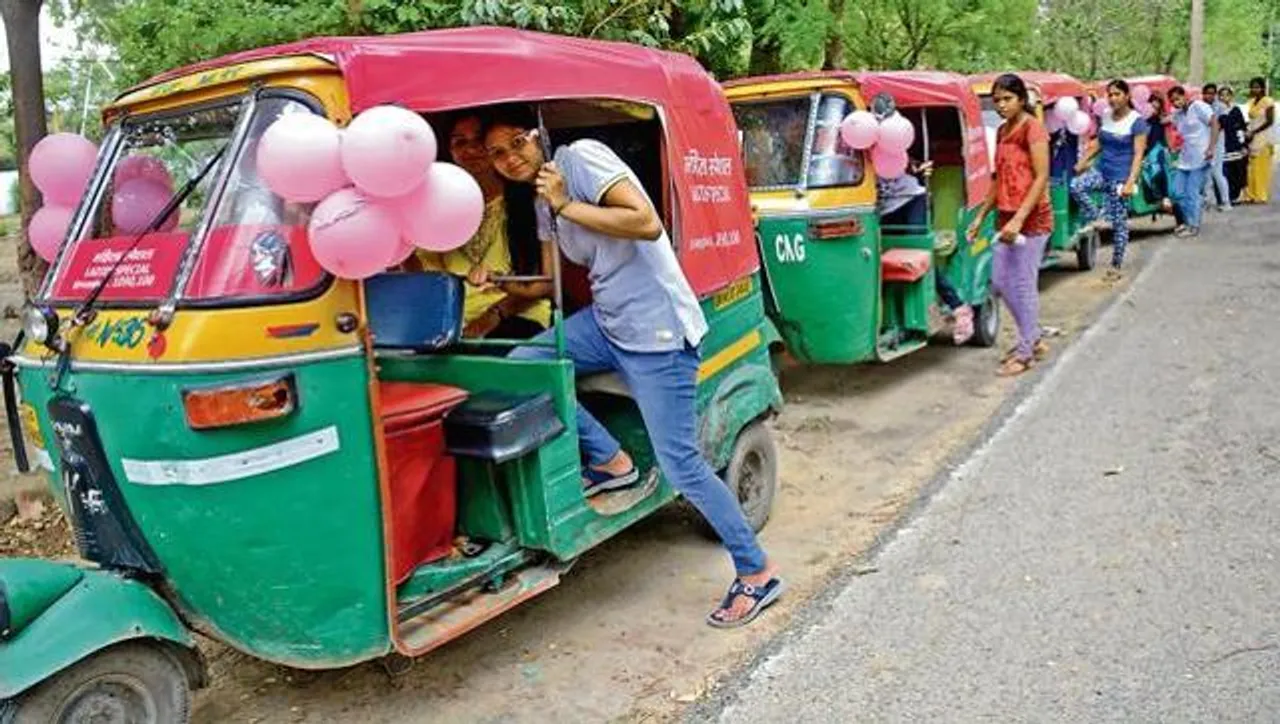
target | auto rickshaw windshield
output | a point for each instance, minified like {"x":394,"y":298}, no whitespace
{"x":773,"y":140}
{"x":254,"y":246}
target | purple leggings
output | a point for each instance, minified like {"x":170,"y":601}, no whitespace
{"x":1015,"y":275}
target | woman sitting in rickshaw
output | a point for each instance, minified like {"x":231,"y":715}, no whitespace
{"x":644,"y":322}
{"x":505,"y":245}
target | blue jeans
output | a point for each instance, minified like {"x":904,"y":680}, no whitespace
{"x":1216,"y":179}
{"x":664,"y":386}
{"x":1188,"y":193}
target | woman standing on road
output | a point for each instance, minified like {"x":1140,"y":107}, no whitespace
{"x":1120,"y":145}
{"x":1020,"y":196}
{"x":1262,"y":116}
{"x":1235,"y":161}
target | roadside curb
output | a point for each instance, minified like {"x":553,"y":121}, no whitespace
{"x":1028,"y":389}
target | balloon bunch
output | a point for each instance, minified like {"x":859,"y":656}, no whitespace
{"x":60,"y":166}
{"x":1068,"y":114}
{"x":380,"y":190}
{"x":888,"y":140}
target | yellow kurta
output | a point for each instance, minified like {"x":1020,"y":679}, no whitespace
{"x":489,"y":247}
{"x":1261,"y":150}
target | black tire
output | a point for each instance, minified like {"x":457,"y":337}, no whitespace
{"x":1087,"y":251}
{"x":129,"y":683}
{"x":986,"y":322}
{"x":752,"y":475}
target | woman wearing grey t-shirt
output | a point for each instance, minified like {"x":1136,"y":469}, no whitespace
{"x":645,"y":323}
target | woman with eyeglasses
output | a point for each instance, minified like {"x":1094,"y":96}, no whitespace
{"x":505,"y":245}
{"x":645,"y":323}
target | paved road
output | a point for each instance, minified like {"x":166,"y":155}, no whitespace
{"x":1110,"y":555}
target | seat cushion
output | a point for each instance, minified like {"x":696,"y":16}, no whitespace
{"x":904,"y":265}
{"x":408,"y":403}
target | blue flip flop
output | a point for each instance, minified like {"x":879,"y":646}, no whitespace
{"x":601,"y":482}
{"x":761,"y":597}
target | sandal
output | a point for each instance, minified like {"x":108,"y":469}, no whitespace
{"x":761,"y":597}
{"x":595,"y":482}
{"x":1015,"y":367}
{"x":1039,"y":352}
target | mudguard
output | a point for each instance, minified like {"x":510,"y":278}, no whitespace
{"x":59,"y":614}
{"x":741,"y":396}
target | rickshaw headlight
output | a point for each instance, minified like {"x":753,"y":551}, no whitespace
{"x":40,"y":324}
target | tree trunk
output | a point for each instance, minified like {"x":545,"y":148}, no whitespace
{"x":1196,"y":74}
{"x":22,"y":32}
{"x":835,"y":59}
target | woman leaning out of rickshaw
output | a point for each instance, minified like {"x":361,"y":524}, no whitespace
{"x":504,"y":245}
{"x":1120,"y":146}
{"x":1024,"y":217}
{"x":644,"y":322}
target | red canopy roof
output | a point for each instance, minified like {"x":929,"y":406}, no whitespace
{"x":1157,"y":83}
{"x":919,"y":88}
{"x":449,"y":69}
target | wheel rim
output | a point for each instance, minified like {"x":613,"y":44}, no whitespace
{"x":111,"y":699}
{"x":991,"y":320}
{"x":751,"y":481}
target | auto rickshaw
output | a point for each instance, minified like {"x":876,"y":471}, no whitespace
{"x":1069,"y":230}
{"x":319,"y":472}
{"x":840,"y":289}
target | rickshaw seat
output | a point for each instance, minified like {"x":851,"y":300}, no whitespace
{"x":422,"y":478}
{"x":904,"y":265}
{"x":498,"y":427}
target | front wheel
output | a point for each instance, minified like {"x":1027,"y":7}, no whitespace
{"x":130,"y":683}
{"x":752,"y":476}
{"x":1087,"y":250}
{"x":986,"y":328}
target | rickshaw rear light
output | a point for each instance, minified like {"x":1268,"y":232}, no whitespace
{"x":241,"y":404}
{"x":835,"y":229}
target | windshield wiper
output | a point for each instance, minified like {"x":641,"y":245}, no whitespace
{"x":85,"y":313}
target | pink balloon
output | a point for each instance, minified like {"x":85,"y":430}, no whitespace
{"x":888,"y":162}
{"x":896,"y":133}
{"x":136,"y":203}
{"x":1101,"y":107}
{"x":1140,"y":94}
{"x":1143,"y":108}
{"x":61,"y":165}
{"x":300,"y":158}
{"x":1079,"y":123}
{"x":402,"y":254}
{"x":1054,"y":123}
{"x":352,"y":236}
{"x":142,"y":166}
{"x":444,"y":211}
{"x":386,"y":149}
{"x":48,"y":229}
{"x":859,"y":130}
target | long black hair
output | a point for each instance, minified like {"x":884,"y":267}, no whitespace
{"x":1010,"y":83}
{"x":522,"y":223}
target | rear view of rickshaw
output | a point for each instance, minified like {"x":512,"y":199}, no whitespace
{"x":842,"y":289}
{"x":318,"y":471}
{"x":1071,"y":235}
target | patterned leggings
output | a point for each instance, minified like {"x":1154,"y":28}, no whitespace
{"x":1117,"y":209}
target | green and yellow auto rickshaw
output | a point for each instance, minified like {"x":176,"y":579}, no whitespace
{"x":842,"y":289}
{"x":320,"y":472}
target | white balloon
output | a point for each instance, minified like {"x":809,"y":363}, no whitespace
{"x":1065,"y":108}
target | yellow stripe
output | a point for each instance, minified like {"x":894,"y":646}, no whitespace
{"x":717,"y":362}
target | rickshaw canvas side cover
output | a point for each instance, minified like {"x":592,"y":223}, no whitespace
{"x":913,"y":89}
{"x":449,"y":69}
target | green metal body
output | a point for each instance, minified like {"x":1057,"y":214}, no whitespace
{"x":81,"y":611}
{"x":827,"y":298}
{"x":289,"y":565}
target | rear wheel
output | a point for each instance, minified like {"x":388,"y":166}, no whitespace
{"x":130,"y":683}
{"x":986,"y":328}
{"x":752,"y":476}
{"x":1087,"y":250}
